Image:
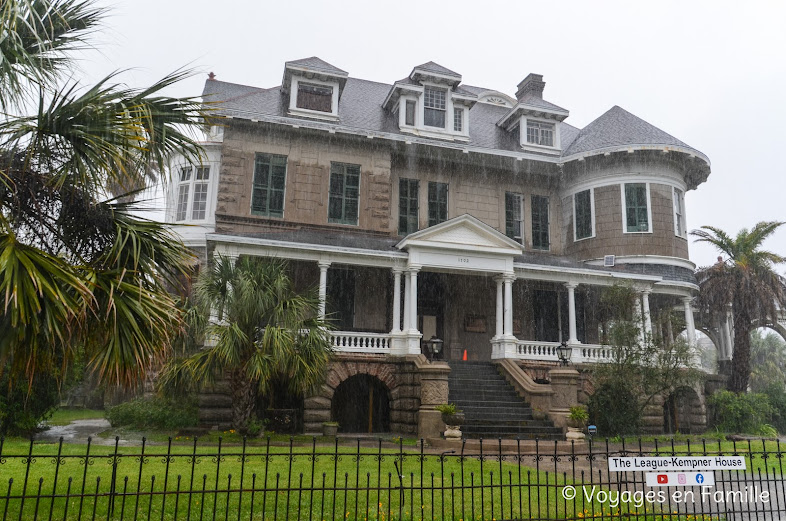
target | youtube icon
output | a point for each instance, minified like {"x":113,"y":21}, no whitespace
{"x":663,"y":479}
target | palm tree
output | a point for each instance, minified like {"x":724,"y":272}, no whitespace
{"x":747,"y":282}
{"x":78,"y":270}
{"x":262,"y":331}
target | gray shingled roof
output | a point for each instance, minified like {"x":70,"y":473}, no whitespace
{"x":618,"y":127}
{"x":437,"y":69}
{"x":361,"y":108}
{"x":532,"y":99}
{"x":317,"y":64}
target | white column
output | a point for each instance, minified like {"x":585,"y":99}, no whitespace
{"x":508,"y":279}
{"x":323,"y":267}
{"x":396,"y":301}
{"x":413,"y":303}
{"x":572,"y":312}
{"x":689,"y":325}
{"x":645,"y":299}
{"x":500,"y":312}
{"x":638,"y":316}
{"x":407,"y":291}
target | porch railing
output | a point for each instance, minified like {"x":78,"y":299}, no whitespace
{"x":354,"y":342}
{"x":547,"y":351}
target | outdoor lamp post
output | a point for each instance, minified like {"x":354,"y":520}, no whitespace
{"x":563,"y":353}
{"x":434,"y":346}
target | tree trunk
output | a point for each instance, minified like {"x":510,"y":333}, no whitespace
{"x":244,"y":395}
{"x":741,"y":360}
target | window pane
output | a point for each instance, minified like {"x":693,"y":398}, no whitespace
{"x":314,"y":97}
{"x":540,"y":133}
{"x":203,"y":173}
{"x":185,"y":173}
{"x":409,"y":117}
{"x":679,"y":213}
{"x":434,"y":103}
{"x":182,"y":202}
{"x":458,"y":119}
{"x":200,"y":201}
{"x":540,"y":222}
{"x":434,"y":118}
{"x":407,"y":206}
{"x":513,"y":216}
{"x":267,"y":194}
{"x":583,"y":209}
{"x":344,"y":193}
{"x":437,"y":203}
{"x":637,"y":218}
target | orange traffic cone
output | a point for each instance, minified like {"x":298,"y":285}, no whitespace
{"x":465,"y":355}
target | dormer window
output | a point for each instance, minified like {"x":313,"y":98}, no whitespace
{"x":434,"y":107}
{"x":540,"y":133}
{"x":314,"y":97}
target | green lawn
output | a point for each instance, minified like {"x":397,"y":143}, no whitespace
{"x":358,"y":484}
{"x":66,"y":416}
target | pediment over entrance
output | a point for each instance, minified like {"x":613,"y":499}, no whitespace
{"x":464,"y":233}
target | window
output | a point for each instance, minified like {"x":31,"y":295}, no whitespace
{"x":540,"y":222}
{"x":513,"y":212}
{"x":540,"y":133}
{"x":636,"y":208}
{"x":314,"y":97}
{"x":434,"y":107}
{"x":582,"y":211}
{"x":182,"y":193}
{"x":680,"y":227}
{"x":437,"y":203}
{"x":407,"y":206}
{"x":458,"y":119}
{"x":267,"y":192}
{"x":344,"y":193}
{"x":192,"y":190}
{"x":199,"y":207}
{"x":409,"y":116}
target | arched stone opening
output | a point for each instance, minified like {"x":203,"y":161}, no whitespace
{"x":361,"y":404}
{"x":684,"y":412}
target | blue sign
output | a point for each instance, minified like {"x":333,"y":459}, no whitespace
{"x":699,"y":478}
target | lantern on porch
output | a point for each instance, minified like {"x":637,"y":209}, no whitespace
{"x":434,"y":347}
{"x":563,"y":353}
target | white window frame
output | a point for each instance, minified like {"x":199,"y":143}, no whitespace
{"x":679,"y":218}
{"x":316,"y":114}
{"x":625,"y":207}
{"x":555,"y":148}
{"x":592,"y":214}
{"x":447,"y":110}
{"x":190,"y":186}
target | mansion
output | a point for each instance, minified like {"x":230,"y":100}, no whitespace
{"x":443,"y":223}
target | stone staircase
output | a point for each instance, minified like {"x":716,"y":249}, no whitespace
{"x":491,"y":407}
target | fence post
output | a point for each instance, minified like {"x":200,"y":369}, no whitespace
{"x":113,"y":483}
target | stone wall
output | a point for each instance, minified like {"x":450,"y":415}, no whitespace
{"x":399,"y":375}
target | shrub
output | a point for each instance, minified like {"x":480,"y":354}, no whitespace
{"x":156,"y":413}
{"x":776,"y":395}
{"x":448,"y":409}
{"x":744,"y":412}
{"x":23,"y":407}
{"x":614,"y":410}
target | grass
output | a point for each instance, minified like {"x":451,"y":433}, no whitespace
{"x":66,"y":416}
{"x":322,"y":481}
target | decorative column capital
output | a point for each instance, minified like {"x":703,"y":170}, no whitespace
{"x":397,"y":270}
{"x":508,"y":277}
{"x":645,"y":291}
{"x":323,"y":264}
{"x":571,"y":285}
{"x":414,"y":268}
{"x":687,"y":300}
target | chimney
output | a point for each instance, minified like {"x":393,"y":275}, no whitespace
{"x":533,"y":84}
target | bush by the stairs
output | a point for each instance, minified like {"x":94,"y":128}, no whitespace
{"x":614,"y":410}
{"x":748,"y":413}
{"x":155,"y":413}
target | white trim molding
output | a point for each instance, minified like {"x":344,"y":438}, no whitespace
{"x":647,"y":259}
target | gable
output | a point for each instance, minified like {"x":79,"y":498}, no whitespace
{"x":464,"y":233}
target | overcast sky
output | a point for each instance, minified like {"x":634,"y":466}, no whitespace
{"x":712,"y":74}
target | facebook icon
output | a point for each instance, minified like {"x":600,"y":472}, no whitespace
{"x":699,"y":478}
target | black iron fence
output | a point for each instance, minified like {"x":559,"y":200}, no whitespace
{"x":375,"y":480}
